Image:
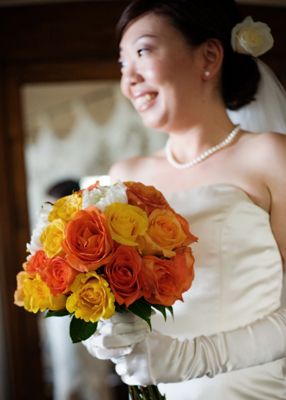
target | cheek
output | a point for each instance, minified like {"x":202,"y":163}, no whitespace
{"x":123,"y":87}
{"x":155,"y":73}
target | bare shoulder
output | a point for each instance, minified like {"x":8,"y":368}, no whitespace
{"x":269,"y":154}
{"x":273,"y":141}
{"x":274,"y":150}
{"x":136,"y":168}
{"x":268,"y":147}
{"x":125,"y":168}
{"x":271,"y":149}
{"x":266,"y":138}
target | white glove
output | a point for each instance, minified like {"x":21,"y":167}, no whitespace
{"x":158,"y":358}
{"x":116,"y":336}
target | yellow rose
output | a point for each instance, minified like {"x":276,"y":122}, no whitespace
{"x":52,"y":236}
{"x":37,"y":296}
{"x":164,"y":234}
{"x":127,"y":223}
{"x":92,"y":297}
{"x":57,"y":302}
{"x":19,"y":294}
{"x":66,"y":207}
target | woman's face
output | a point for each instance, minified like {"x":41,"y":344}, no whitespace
{"x":161,"y":74}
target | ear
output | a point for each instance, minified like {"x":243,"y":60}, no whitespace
{"x":213,"y":52}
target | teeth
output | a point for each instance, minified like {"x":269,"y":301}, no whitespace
{"x":140,"y":101}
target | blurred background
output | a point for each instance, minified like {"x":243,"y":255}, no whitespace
{"x":63,"y":123}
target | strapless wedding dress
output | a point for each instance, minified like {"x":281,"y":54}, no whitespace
{"x":238,"y":279}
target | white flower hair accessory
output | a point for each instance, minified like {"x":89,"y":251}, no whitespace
{"x":251,"y":37}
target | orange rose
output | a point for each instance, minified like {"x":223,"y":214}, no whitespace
{"x":164,"y":234}
{"x":146,"y":197}
{"x":88,"y":241}
{"x":160,"y":281}
{"x":89,"y":188}
{"x":58,"y":275}
{"x":93,"y":186}
{"x":122,"y":274}
{"x":185,"y":225}
{"x":33,"y":265}
{"x":184,"y":263}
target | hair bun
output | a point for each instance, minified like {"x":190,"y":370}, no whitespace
{"x":240,"y":80}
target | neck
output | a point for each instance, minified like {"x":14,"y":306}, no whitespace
{"x":206,"y":132}
{"x":203,"y":156}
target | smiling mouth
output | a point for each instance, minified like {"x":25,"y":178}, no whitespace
{"x":142,"y":100}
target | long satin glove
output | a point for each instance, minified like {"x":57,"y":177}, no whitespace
{"x":153,"y":358}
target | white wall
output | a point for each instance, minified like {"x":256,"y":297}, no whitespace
{"x":78,"y":129}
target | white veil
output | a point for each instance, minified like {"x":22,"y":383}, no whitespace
{"x":268,"y":111}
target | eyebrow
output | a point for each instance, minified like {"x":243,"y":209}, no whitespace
{"x":140,"y":37}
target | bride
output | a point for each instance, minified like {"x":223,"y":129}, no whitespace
{"x":183,"y":64}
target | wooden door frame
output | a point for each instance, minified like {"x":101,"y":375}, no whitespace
{"x":84,"y":49}
{"x":21,"y":331}
{"x":24,"y":374}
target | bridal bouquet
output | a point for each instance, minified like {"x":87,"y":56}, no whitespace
{"x":106,"y":249}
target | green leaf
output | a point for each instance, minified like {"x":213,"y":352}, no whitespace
{"x":170,"y":309}
{"x":142,"y":309}
{"x":48,"y":202}
{"x":119,"y":308}
{"x":81,"y":330}
{"x":58,"y":313}
{"x":160,"y":308}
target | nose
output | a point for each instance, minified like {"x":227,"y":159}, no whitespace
{"x":131,"y":75}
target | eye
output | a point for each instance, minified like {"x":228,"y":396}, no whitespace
{"x":141,"y":52}
{"x":121,"y":63}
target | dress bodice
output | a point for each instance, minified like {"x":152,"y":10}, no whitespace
{"x":238,"y":280}
{"x":238,"y":267}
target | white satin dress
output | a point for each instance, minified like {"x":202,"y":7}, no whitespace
{"x":238,"y":280}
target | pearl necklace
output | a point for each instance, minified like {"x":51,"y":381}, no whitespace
{"x":203,"y":156}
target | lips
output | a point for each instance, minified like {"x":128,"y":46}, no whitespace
{"x":141,"y":101}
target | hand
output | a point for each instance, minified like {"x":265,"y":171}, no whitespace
{"x":116,"y":336}
{"x":141,"y":357}
{"x":157,"y":359}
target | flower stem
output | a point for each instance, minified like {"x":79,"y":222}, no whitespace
{"x":137,"y":393}
{"x":144,"y":392}
{"x":151,"y":393}
{"x":130,"y":389}
{"x":159,"y":395}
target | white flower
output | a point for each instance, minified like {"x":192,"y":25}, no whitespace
{"x":42,"y":223}
{"x":103,"y":196}
{"x":251,"y":37}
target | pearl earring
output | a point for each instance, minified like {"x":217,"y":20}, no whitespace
{"x":207,"y":74}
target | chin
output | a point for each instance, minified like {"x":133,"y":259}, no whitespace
{"x":155,"y":123}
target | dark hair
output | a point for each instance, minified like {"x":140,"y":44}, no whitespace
{"x":63,"y":188}
{"x":198,"y":21}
